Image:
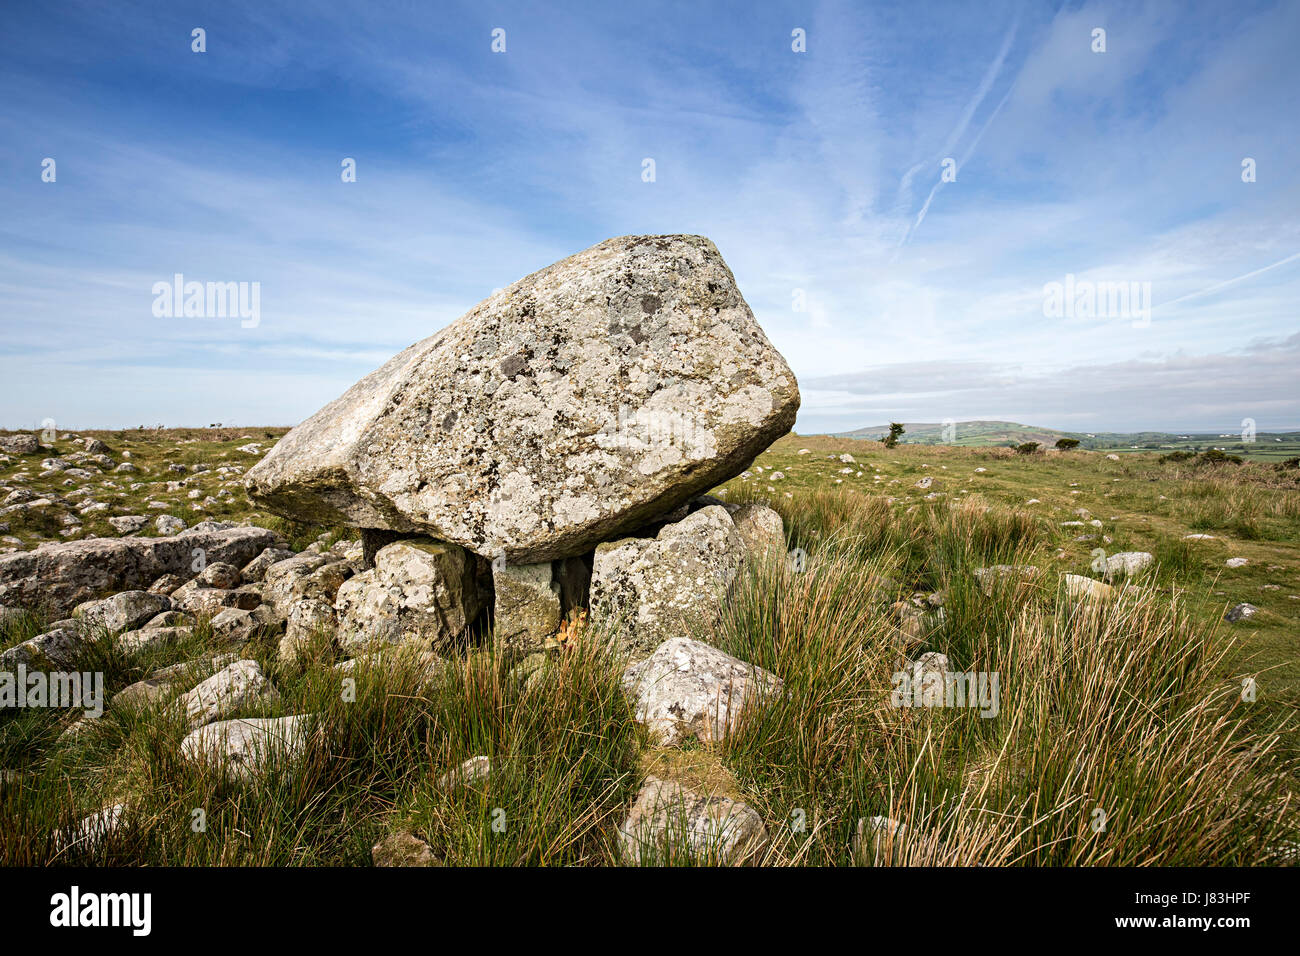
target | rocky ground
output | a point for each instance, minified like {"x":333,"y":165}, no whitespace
{"x":226,"y":642}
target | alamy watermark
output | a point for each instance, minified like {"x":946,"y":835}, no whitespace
{"x":1085,"y":299}
{"x":935,"y":688}
{"x":67,"y":690}
{"x":208,"y":300}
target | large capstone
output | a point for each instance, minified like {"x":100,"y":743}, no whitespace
{"x":567,"y":409}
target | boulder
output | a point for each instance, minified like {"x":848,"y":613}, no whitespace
{"x":567,"y":409}
{"x":233,"y":624}
{"x":247,"y":747}
{"x":652,"y":589}
{"x":989,"y":577}
{"x":59,"y":647}
{"x":128,"y":524}
{"x":238,"y":685}
{"x":668,"y":822}
{"x":61,"y":576}
{"x":418,"y":591}
{"x":472,"y":771}
{"x":219,"y":574}
{"x":689,"y":689}
{"x":124,"y":611}
{"x":133,"y":642}
{"x":169,"y":524}
{"x":284,"y":582}
{"x":1084,"y":589}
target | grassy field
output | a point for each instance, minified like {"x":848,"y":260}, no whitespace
{"x":1122,"y":736}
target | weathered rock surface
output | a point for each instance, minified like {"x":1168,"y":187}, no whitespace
{"x":59,"y":647}
{"x":657,"y":588}
{"x":246,"y":747}
{"x":989,"y":578}
{"x":1127,"y":562}
{"x":470,"y":772}
{"x":238,"y":685}
{"x":133,"y":642}
{"x":255,"y":570}
{"x":307,"y":618}
{"x":667,"y":821}
{"x":687,"y":688}
{"x":124,"y":611}
{"x":1084,"y":589}
{"x":63,"y":575}
{"x":566,"y":409}
{"x":418,"y":591}
{"x":19,"y":443}
{"x":528,"y":605}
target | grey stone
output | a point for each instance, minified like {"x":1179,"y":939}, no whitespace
{"x":569,"y":408}
{"x":245,"y":748}
{"x":689,"y":689}
{"x":667,"y":821}
{"x":418,"y":591}
{"x":61,"y":576}
{"x":124,"y":611}
{"x":652,"y":589}
{"x":236,"y":686}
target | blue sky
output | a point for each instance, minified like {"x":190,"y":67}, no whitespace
{"x":817,"y":171}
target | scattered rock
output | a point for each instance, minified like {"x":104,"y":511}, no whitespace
{"x":761,"y":530}
{"x":1127,"y":562}
{"x":123,"y":611}
{"x":169,"y":524}
{"x":255,"y":570}
{"x":307,"y":618}
{"x":63,"y":575}
{"x":128,"y":524}
{"x":1237,"y":562}
{"x":667,"y":820}
{"x":220,"y":575}
{"x":687,"y":688}
{"x":246,"y":747}
{"x":134,"y":642}
{"x":239,"y":685}
{"x":1080,"y":588}
{"x":467,"y":774}
{"x":1242,"y":612}
{"x":91,"y":831}
{"x":19,"y":443}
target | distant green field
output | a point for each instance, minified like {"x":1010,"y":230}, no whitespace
{"x":1267,"y":446}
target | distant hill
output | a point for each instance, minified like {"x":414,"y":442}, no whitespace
{"x":964,"y":433}
{"x":1267,"y":446}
